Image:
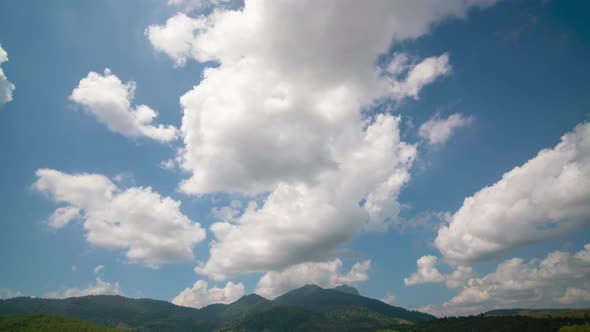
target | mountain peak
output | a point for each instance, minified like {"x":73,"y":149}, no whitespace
{"x":347,"y":289}
{"x":251,"y":299}
{"x":311,"y":286}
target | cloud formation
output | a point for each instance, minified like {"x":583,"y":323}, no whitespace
{"x":282,"y":115}
{"x":558,"y":280}
{"x":99,"y":287}
{"x":546,"y":197}
{"x":62,"y":216}
{"x":575,"y":295}
{"x":109,"y":101}
{"x":200,"y":295}
{"x":417,"y":76}
{"x":6,"y":88}
{"x":427,"y":272}
{"x":389,"y":299}
{"x":323,"y":274}
{"x":151,"y":228}
{"x":227,"y":213}
{"x":437,"y":131}
{"x":98,"y":268}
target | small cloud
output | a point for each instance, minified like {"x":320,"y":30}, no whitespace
{"x":389,"y":299}
{"x":426,"y":273}
{"x":437,"y":131}
{"x":126,"y":179}
{"x":74,"y":268}
{"x":109,"y":100}
{"x":99,"y":287}
{"x":6,"y":88}
{"x":200,"y":295}
{"x":62,"y":216}
{"x":417,"y":76}
{"x":227,"y":213}
{"x":168,"y":164}
{"x":6,"y":293}
{"x":98,"y":269}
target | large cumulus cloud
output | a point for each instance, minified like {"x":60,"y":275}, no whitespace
{"x":545,"y":197}
{"x":283,"y":114}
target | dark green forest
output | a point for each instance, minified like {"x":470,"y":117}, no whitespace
{"x":38,"y":323}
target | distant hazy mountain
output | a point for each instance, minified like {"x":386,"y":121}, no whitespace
{"x":308,"y":308}
{"x":574,"y":313}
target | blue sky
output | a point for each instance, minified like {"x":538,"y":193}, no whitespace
{"x":281,"y":118}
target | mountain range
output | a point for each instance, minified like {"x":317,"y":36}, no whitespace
{"x":309,"y":308}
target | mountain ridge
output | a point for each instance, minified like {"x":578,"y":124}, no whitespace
{"x":310,"y":303}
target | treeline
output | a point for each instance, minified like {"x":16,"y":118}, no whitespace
{"x":483,"y":323}
{"x":42,"y":323}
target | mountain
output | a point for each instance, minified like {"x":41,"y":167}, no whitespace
{"x":316,"y":299}
{"x":347,"y":289}
{"x":307,"y":308}
{"x":312,"y":308}
{"x":110,"y":310}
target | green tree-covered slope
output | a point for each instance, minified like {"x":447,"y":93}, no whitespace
{"x":48,"y":323}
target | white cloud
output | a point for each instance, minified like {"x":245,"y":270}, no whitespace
{"x":175,"y":38}
{"x":398,"y":64}
{"x":389,"y":299}
{"x":227,"y":213}
{"x":6,"y":88}
{"x":3,"y":55}
{"x":200,"y":295}
{"x":282,"y":115}
{"x":168,"y":164}
{"x":558,"y":279}
{"x":74,"y":268}
{"x":437,"y":131}
{"x":109,"y":101}
{"x":357,"y":273}
{"x":150,"y":227}
{"x":418,"y":76}
{"x":62,"y":216}
{"x":575,"y":295}
{"x":323,"y":274}
{"x":301,"y":222}
{"x":6,"y":293}
{"x":459,"y":277}
{"x":546,"y":197}
{"x":427,"y":272}
{"x":99,"y":287}
{"x":98,"y":268}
